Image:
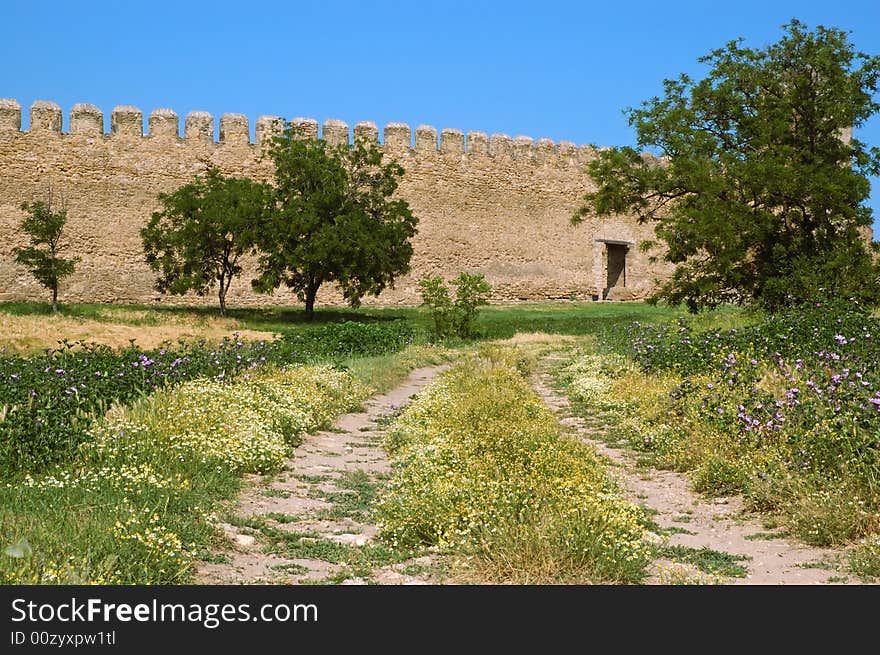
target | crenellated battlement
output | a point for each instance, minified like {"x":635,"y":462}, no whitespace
{"x":199,"y":127}
{"x":490,"y":203}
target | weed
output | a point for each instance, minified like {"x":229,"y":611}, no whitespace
{"x":707,"y":560}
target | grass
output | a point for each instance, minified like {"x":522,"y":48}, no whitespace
{"x":482,"y":467}
{"x":360,"y":560}
{"x":707,"y":560}
{"x":29,"y":326}
{"x":135,"y":506}
{"x":356,"y":493}
{"x":764,"y":536}
{"x":811,"y":472}
{"x":384,"y":372}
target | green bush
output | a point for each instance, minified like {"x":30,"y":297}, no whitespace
{"x":349,"y":338}
{"x":455,"y":318}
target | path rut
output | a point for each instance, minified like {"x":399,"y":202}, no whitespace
{"x":310,"y":523}
{"x":716,"y":523}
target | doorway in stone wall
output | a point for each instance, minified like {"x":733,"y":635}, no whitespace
{"x":615,"y":264}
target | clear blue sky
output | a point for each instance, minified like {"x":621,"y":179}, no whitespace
{"x":563,"y":70}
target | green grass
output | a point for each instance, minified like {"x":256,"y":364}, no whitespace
{"x":707,"y":560}
{"x":384,"y":372}
{"x":71,"y":530}
{"x":311,"y":545}
{"x":494,"y":322}
{"x":291,"y":569}
{"x":356,"y":493}
{"x":764,"y":536}
{"x":134,"y":507}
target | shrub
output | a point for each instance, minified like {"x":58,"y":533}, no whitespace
{"x":455,"y":318}
{"x":349,"y":338}
{"x":249,"y":426}
{"x":47,"y":401}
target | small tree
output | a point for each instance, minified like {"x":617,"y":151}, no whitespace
{"x":455,"y":318}
{"x":197,"y":239}
{"x":334,"y":221}
{"x":760,"y":191}
{"x":44,"y":224}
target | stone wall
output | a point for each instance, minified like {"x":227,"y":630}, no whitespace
{"x":487,"y":204}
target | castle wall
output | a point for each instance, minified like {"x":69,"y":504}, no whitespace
{"x":486,"y":204}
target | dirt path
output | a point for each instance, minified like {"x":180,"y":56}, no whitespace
{"x":310,"y":523}
{"x":698,"y":522}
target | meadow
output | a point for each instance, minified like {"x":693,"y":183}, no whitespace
{"x":125,"y":429}
{"x":783,"y":410}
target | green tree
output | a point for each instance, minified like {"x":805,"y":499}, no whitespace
{"x":759,"y":189}
{"x":44,"y":224}
{"x":197,"y":239}
{"x":334,"y":221}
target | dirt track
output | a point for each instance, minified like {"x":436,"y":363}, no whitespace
{"x":698,"y":522}
{"x":310,"y":523}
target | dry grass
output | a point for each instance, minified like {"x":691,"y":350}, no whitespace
{"x":521,"y":338}
{"x":35,"y":333}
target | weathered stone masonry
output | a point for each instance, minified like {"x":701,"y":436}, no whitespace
{"x":494,"y":205}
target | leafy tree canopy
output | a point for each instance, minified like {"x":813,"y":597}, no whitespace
{"x":44,"y":224}
{"x":197,"y":239}
{"x":759,"y":193}
{"x":335,"y":220}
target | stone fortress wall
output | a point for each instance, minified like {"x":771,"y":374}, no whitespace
{"x":486,"y":204}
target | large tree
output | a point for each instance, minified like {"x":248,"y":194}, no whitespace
{"x":204,"y":228}
{"x":44,"y":225}
{"x":759,"y":192}
{"x":335,"y":220}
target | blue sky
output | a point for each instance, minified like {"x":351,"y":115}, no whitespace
{"x":563,"y":70}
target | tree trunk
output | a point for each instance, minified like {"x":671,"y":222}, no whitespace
{"x":54,"y":300}
{"x":222,"y":300}
{"x":311,"y":292}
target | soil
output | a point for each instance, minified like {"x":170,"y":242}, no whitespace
{"x":305,"y":500}
{"x":717,"y":523}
